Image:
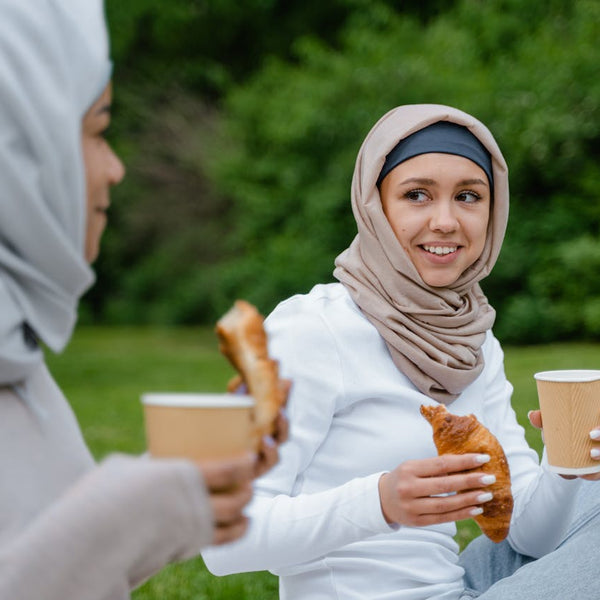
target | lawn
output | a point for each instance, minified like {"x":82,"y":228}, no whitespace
{"x":105,"y":370}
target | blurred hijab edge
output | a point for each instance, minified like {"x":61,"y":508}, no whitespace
{"x":54,"y":64}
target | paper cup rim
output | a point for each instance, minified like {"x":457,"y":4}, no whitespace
{"x":574,"y":471}
{"x":568,"y":375}
{"x":197,"y":400}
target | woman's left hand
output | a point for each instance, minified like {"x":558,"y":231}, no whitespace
{"x":535,"y":418}
{"x":268,"y":454}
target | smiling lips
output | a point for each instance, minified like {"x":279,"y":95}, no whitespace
{"x":440,"y":250}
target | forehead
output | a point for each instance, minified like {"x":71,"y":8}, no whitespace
{"x":101,"y":107}
{"x":438,"y":164}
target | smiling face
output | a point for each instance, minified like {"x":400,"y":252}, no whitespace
{"x":103,"y":169}
{"x":438,"y":206}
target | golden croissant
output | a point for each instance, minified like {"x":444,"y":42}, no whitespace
{"x":244,"y":342}
{"x":453,"y":434}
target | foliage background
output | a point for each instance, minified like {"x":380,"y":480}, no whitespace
{"x":240,"y":124}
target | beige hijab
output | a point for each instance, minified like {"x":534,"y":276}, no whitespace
{"x":434,"y":335}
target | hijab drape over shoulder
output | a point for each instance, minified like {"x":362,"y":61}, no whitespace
{"x":434,"y":334}
{"x":53,"y":65}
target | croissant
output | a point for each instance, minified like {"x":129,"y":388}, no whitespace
{"x":453,"y":434}
{"x":242,"y":339}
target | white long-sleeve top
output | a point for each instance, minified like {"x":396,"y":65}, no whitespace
{"x":316,"y":519}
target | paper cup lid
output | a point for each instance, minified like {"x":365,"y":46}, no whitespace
{"x":193,"y":400}
{"x":573,"y":375}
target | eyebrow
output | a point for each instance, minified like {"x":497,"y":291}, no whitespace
{"x":474,"y":181}
{"x":421,"y":180}
{"x":426,"y":181}
{"x":105,"y":108}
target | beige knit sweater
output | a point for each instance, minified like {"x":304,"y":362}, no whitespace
{"x":71,"y":529}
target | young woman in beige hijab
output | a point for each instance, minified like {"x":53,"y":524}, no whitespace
{"x":71,"y":529}
{"x":360,"y":505}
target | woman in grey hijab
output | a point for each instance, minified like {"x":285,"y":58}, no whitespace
{"x":70,"y":528}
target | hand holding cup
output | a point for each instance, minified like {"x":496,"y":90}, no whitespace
{"x":229,"y":484}
{"x":570,"y":410}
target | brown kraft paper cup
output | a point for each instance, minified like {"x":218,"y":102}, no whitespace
{"x":198,"y":426}
{"x":570,"y":406}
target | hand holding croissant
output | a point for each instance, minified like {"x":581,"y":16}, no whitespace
{"x":453,"y":434}
{"x":440,"y":489}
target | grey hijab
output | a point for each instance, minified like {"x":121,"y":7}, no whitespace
{"x":53,"y":65}
{"x":434,"y":335}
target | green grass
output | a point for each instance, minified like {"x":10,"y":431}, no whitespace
{"x":105,"y":370}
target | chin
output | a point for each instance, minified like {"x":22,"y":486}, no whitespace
{"x":91,"y":254}
{"x":440,"y":282}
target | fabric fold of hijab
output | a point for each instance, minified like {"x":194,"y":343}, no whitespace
{"x":53,"y":65}
{"x":434,"y":335}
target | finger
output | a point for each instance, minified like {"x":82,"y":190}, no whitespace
{"x":594,"y":454}
{"x":227,"y":507}
{"x":446,"y":463}
{"x":434,"y":486}
{"x":228,"y":533}
{"x":236,"y":385}
{"x":447,"y":517}
{"x":535,"y":418}
{"x":225,"y":474}
{"x":268,"y":456}
{"x":454,"y":502}
{"x":285,"y":385}
{"x":282,"y":428}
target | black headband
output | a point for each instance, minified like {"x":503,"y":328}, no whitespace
{"x":445,"y":137}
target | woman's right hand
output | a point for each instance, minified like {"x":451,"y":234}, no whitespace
{"x":229,"y":484}
{"x":424,"y":492}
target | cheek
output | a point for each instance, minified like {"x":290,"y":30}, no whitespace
{"x":95,"y":225}
{"x":92,"y":161}
{"x":479,"y":232}
{"x":403,"y":227}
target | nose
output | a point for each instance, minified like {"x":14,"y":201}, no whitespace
{"x":116,"y":169}
{"x":443,"y":218}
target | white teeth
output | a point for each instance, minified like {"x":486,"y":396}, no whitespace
{"x":439,"y":250}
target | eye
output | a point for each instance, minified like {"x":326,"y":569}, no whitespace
{"x":468,"y":196}
{"x":103,"y":133}
{"x":417,"y":196}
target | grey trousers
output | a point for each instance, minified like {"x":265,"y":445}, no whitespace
{"x":497,"y":572}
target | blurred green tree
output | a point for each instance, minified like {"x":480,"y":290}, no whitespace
{"x":528,"y":70}
{"x":264,"y":151}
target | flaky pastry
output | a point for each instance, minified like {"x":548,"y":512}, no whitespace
{"x":453,"y":434}
{"x":242,"y":339}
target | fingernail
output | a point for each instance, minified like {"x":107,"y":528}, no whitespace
{"x":476,"y":511}
{"x":486,"y":497}
{"x":595,"y":434}
{"x":482,"y":458}
{"x":595,"y":453}
{"x":529,"y":414}
{"x":488,"y":479}
{"x":269,"y":441}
